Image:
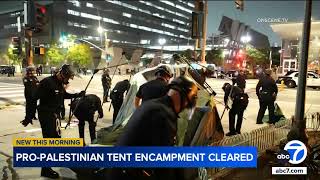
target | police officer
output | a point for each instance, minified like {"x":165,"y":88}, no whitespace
{"x":240,"y":80}
{"x":117,"y":95}
{"x":106,"y":84}
{"x":266,"y":91}
{"x":154,"y":123}
{"x":52,"y":93}
{"x":239,"y":104}
{"x":86,"y":108}
{"x":31,"y":83}
{"x":155,"y":88}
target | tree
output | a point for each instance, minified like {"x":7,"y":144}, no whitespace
{"x":13,"y":58}
{"x":79,"y":55}
{"x":54,"y":55}
{"x":257,"y":56}
{"x":215,"y":56}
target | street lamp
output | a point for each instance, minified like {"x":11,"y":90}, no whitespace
{"x":100,"y":29}
{"x":162,"y":41}
{"x":245,"y":39}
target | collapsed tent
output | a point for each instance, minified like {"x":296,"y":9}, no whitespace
{"x":203,"y":129}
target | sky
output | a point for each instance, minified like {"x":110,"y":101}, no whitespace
{"x":254,"y":10}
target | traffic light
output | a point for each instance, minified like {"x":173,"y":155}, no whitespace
{"x":196,"y":28}
{"x":37,"y":16}
{"x":39,"y":50}
{"x":16,"y":45}
{"x":239,"y":4}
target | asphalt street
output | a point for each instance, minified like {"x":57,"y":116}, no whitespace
{"x":11,"y":92}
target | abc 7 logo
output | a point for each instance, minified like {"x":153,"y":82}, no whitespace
{"x":295,"y":152}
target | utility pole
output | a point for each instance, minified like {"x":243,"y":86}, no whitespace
{"x":299,"y":125}
{"x":196,"y":7}
{"x":27,"y":34}
{"x":204,"y":32}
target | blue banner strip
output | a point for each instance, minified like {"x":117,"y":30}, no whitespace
{"x":91,"y":157}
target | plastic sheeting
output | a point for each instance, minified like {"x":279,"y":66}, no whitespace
{"x":203,"y":128}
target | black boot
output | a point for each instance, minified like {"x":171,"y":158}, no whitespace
{"x":49,"y":173}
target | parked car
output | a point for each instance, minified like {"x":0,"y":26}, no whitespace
{"x":6,"y":69}
{"x":290,"y":79}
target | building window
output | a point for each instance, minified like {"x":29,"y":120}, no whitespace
{"x":176,"y":20}
{"x":72,"y":12}
{"x":181,"y":15}
{"x":75,"y":3}
{"x":145,"y":11}
{"x":191,"y":5}
{"x":110,"y":21}
{"x":129,"y":6}
{"x":168,"y":25}
{"x":145,"y":41}
{"x":89,"y":5}
{"x":133,"y":26}
{"x":84,"y":26}
{"x":126,"y":15}
{"x":144,"y":28}
{"x":90,"y":16}
{"x":168,"y":2}
{"x":115,"y":2}
{"x":183,"y":9}
{"x":182,"y":29}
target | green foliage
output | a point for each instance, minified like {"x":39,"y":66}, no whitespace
{"x":13,"y":58}
{"x":79,"y":55}
{"x":215,"y":56}
{"x":258,"y":56}
{"x":54,"y":55}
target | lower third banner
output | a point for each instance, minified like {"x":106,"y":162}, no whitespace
{"x":238,"y":156}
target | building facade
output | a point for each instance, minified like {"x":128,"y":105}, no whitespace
{"x":137,"y":23}
{"x":291,"y":37}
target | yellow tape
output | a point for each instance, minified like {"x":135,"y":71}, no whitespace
{"x":47,"y":142}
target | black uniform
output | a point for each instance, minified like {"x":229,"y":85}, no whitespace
{"x":154,"y":123}
{"x":85,"y":112}
{"x":240,"y":81}
{"x":266,"y":91}
{"x":106,"y":84}
{"x":116,"y":96}
{"x":239,"y":104}
{"x":30,"y":88}
{"x":153,"y":89}
{"x":51,"y":93}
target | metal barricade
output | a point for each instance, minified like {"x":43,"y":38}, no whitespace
{"x":262,"y":138}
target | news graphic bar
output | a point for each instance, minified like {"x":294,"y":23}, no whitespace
{"x":135,"y":157}
{"x":289,"y":170}
{"x":47,"y":142}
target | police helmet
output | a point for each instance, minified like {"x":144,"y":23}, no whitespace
{"x":187,"y":89}
{"x":226,"y":86}
{"x":30,"y":69}
{"x":66,"y":71}
{"x":163,"y":71}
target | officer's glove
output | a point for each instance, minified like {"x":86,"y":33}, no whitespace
{"x":26,"y":122}
{"x":81,"y":94}
{"x":227,"y":107}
